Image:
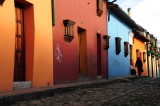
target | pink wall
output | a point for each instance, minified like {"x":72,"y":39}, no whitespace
{"x":83,"y":12}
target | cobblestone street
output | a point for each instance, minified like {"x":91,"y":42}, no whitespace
{"x":127,"y":92}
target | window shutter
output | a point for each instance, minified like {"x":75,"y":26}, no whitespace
{"x":99,"y":7}
{"x":53,"y":13}
{"x":126,"y":52}
{"x":106,"y":42}
{"x":118,"y":45}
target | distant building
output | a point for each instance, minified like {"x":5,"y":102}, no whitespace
{"x":139,"y":48}
{"x":158,"y":46}
{"x":152,"y":56}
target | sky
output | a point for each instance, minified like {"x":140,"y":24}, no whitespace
{"x":146,"y":13}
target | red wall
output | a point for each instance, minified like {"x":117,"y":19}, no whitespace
{"x":83,"y":12}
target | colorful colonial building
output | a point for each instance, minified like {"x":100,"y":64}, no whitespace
{"x":120,"y":27}
{"x":78,"y":40}
{"x":139,"y":49}
{"x":26,"y":44}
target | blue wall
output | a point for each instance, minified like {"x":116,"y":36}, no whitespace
{"x":118,"y":65}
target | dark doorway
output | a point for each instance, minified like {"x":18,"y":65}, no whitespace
{"x":99,"y":55}
{"x":19,"y":65}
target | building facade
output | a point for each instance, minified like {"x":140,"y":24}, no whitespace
{"x":152,"y":56}
{"x":119,"y":29}
{"x":26,"y":32}
{"x":78,"y":40}
{"x":139,"y":49}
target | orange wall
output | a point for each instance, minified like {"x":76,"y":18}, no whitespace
{"x":138,"y":44}
{"x":7,"y":41}
{"x":83,"y":12}
{"x":43,"y":45}
{"x":39,"y":44}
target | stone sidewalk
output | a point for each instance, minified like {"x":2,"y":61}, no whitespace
{"x":126,"y":91}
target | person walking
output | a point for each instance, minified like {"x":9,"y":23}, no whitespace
{"x":139,"y":66}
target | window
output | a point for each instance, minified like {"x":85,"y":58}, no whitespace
{"x":138,"y":53}
{"x":118,"y":45}
{"x":126,"y":52}
{"x":69,"y":30}
{"x":99,"y":7}
{"x":106,"y":42}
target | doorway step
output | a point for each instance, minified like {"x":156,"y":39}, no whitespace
{"x":81,"y":78}
{"x":22,"y":85}
{"x":99,"y":77}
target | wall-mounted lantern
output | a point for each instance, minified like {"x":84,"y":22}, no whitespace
{"x":118,"y":45}
{"x":126,"y":51}
{"x":69,"y":30}
{"x":106,"y":42}
{"x":1,"y":2}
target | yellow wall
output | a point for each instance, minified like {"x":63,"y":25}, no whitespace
{"x":39,"y":50}
{"x":138,"y":44}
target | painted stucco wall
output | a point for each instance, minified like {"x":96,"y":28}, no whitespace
{"x":138,"y":44}
{"x":154,"y":67}
{"x":66,"y":57}
{"x":40,"y":72}
{"x":7,"y":37}
{"x":150,"y":66}
{"x":118,"y":65}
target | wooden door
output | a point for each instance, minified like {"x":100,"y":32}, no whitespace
{"x":82,"y":52}
{"x":19,"y":67}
